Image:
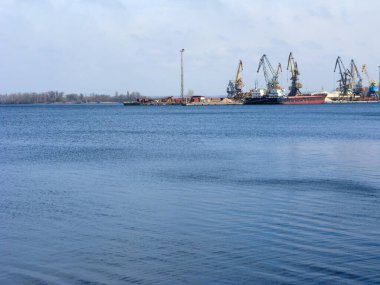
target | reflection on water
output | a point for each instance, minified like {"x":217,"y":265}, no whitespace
{"x":225,"y":195}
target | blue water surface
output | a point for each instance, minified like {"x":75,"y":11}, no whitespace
{"x":98,"y":194}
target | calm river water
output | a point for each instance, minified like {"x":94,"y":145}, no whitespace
{"x":93,"y":194}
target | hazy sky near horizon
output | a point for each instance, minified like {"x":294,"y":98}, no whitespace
{"x":105,"y":46}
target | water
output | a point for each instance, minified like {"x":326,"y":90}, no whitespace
{"x":190,"y":195}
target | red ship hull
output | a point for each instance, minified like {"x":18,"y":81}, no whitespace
{"x":304,"y":99}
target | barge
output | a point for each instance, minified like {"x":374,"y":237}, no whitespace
{"x":305,"y":99}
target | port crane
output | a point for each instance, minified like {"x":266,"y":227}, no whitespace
{"x":372,"y":86}
{"x":234,"y":88}
{"x":271,"y":76}
{"x":356,"y":79}
{"x":345,"y":78}
{"x":295,"y":85}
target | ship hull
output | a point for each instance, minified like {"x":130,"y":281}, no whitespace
{"x":290,"y":100}
{"x":131,"y":103}
{"x":261,"y":100}
{"x":303,"y":100}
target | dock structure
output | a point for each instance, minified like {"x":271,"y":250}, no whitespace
{"x":196,"y":100}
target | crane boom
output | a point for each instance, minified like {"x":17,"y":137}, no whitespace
{"x":279,"y":69}
{"x":291,"y":64}
{"x":240,"y":68}
{"x":264,"y":67}
{"x":354,"y":72}
{"x":277,"y":73}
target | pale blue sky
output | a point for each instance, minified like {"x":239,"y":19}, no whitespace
{"x":117,"y":45}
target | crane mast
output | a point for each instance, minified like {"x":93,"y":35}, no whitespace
{"x":356,"y":83}
{"x":345,"y":78}
{"x":372,"y":85}
{"x":364,"y":70}
{"x":295,"y":85}
{"x":235,"y":87}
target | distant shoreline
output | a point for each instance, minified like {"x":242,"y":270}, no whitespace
{"x":65,"y":103}
{"x":56,"y":97}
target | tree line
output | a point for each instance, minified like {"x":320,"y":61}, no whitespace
{"x":52,"y":97}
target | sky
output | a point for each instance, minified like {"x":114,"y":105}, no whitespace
{"x":104,"y":46}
